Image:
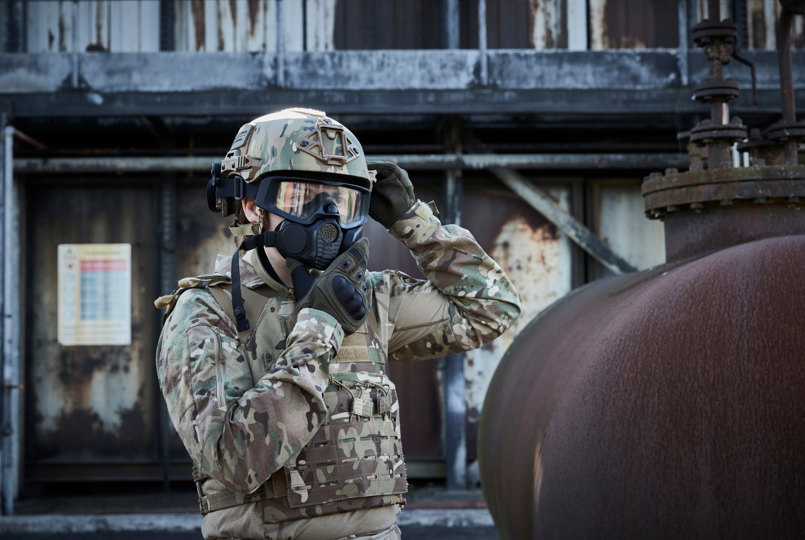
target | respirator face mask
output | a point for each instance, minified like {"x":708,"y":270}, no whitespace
{"x":322,"y":218}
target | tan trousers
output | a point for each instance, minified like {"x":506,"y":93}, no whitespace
{"x":372,"y":524}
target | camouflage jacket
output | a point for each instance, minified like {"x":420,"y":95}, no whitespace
{"x":241,"y":423}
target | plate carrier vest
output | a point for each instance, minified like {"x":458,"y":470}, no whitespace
{"x":355,"y":454}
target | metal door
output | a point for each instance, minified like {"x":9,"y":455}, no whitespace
{"x":91,"y":411}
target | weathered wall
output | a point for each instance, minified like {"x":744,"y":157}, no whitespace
{"x":322,"y":25}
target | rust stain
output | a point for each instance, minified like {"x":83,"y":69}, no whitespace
{"x":82,"y":434}
{"x":197,"y":11}
{"x":62,"y":35}
{"x":254,"y":12}
{"x":77,"y":364}
{"x":233,"y":8}
{"x":99,"y":20}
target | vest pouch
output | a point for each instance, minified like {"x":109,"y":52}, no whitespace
{"x":351,"y":456}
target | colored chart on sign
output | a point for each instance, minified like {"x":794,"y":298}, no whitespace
{"x":94,"y":294}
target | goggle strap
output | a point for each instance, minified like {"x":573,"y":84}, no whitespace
{"x":235,"y":187}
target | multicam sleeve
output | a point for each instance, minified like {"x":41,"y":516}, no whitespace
{"x":240,"y":431}
{"x":466,"y":301}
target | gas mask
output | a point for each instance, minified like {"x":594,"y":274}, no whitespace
{"x":323,"y":217}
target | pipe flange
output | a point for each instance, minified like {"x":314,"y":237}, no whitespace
{"x":697,"y":190}
{"x":708,"y":131}
{"x":787,"y":132}
{"x":710,"y":29}
{"x":718,"y":90}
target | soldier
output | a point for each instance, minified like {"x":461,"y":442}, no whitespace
{"x":274,"y":368}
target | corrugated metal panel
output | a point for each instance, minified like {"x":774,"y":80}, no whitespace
{"x":633,"y":24}
{"x":44,"y":33}
{"x":392,"y":24}
{"x":761,"y":15}
{"x":319,"y":25}
{"x":509,"y":24}
{"x":535,"y":24}
{"x":97,"y":25}
{"x":245,"y":26}
{"x":577,"y":25}
{"x":134,"y":26}
{"x":761,"y":22}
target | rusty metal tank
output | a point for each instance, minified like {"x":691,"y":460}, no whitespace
{"x":670,"y":403}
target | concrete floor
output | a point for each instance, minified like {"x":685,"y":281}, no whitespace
{"x":431,"y":512}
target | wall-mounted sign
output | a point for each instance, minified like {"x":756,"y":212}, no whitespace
{"x":94,"y":294}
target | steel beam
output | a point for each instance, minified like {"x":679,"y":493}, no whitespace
{"x":167,"y":283}
{"x":6,"y":499}
{"x":577,"y":232}
{"x":358,"y":71}
{"x":621,"y":161}
{"x":450,"y":81}
{"x":11,"y":313}
{"x":453,"y":379}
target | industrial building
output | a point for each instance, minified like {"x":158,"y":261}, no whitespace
{"x":532,"y":123}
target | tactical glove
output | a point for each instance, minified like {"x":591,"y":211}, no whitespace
{"x":340,"y":290}
{"x":392,"y":194}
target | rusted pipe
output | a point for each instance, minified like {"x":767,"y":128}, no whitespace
{"x":784,"y":60}
{"x":714,"y":10}
{"x":30,"y":140}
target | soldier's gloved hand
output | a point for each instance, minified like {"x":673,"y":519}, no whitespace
{"x":392,"y":194}
{"x":340,"y":290}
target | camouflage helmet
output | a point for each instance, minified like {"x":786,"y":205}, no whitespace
{"x":297,"y":140}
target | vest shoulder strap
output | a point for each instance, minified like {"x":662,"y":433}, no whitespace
{"x":253,"y":302}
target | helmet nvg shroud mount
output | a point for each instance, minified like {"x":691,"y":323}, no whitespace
{"x":302,"y":166}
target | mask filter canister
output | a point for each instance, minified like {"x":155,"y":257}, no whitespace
{"x":315,"y":245}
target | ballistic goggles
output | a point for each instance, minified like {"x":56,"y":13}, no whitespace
{"x":301,"y":200}
{"x":297,"y":198}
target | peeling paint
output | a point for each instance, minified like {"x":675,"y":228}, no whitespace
{"x":538,"y":261}
{"x":623,"y":226}
{"x":547,"y":18}
{"x":197,"y":12}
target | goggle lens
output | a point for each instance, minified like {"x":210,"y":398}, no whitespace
{"x":294,"y":198}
